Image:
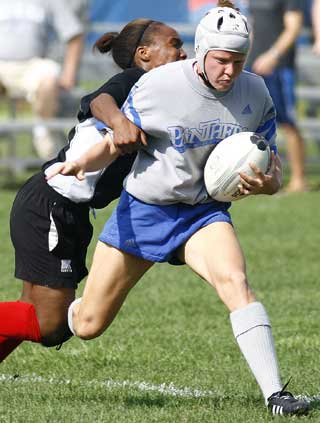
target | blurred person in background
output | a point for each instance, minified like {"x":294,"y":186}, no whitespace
{"x":311,"y":38}
{"x":50,"y":225}
{"x":81,"y":8}
{"x":26,"y":70}
{"x":276,"y":25}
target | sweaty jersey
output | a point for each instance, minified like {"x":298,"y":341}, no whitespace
{"x":184,"y":121}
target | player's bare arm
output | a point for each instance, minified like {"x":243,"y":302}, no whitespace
{"x":126,"y":135}
{"x":97,"y":157}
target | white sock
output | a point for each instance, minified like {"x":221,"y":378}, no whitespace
{"x":252,"y":330}
{"x":70,"y":309}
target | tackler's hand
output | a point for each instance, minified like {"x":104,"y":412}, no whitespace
{"x":68,"y":168}
{"x":128,"y":137}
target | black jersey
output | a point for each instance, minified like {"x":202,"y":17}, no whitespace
{"x":118,"y":87}
{"x":110,"y":184}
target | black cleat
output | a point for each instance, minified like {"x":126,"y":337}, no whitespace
{"x":285,"y":404}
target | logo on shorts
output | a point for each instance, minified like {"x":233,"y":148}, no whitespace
{"x":66,"y":266}
{"x":130,"y":243}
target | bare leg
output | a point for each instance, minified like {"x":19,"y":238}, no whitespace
{"x":45,"y":106}
{"x":296,"y":156}
{"x":46,"y":99}
{"x":112,"y":275}
{"x":40,"y":316}
{"x":51,"y":308}
{"x":215,"y":254}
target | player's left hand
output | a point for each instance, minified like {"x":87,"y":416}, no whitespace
{"x":268,"y":183}
{"x":265,"y":64}
{"x":67,"y":81}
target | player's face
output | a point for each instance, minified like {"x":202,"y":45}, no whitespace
{"x":166,"y":47}
{"x":223,"y":67}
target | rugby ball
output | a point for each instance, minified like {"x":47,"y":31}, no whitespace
{"x":231,"y":156}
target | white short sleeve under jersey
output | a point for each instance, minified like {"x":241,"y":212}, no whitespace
{"x":184,"y":120}
{"x":86,"y":136}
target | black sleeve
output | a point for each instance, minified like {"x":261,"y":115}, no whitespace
{"x":118,"y":87}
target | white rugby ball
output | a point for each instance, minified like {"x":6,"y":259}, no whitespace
{"x":231,"y":156}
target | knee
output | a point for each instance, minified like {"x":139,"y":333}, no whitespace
{"x":88,"y":328}
{"x":234,"y":281}
{"x":237,"y":278}
{"x":233,"y":290}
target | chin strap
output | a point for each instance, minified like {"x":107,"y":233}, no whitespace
{"x":206,"y":81}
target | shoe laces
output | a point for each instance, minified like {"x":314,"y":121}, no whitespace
{"x":283,"y":393}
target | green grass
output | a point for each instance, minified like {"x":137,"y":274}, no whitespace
{"x":173,"y":334}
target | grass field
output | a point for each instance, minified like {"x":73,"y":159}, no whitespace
{"x":170,"y":355}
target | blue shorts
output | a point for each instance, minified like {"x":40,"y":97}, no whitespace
{"x":155,"y":232}
{"x":281,"y":85}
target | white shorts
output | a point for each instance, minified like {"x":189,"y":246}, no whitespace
{"x":22,"y":78}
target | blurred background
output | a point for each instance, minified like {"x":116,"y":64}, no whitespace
{"x":18,"y":153}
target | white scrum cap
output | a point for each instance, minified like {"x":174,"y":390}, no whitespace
{"x":222,"y":28}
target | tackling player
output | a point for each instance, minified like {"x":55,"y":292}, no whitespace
{"x":50,"y":226}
